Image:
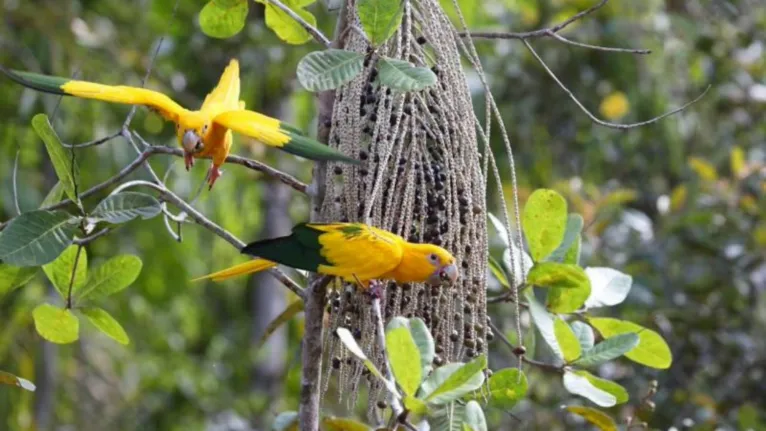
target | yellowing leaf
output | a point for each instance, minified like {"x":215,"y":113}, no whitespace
{"x":737,"y":161}
{"x":567,"y":340}
{"x":603,"y":421}
{"x":106,"y":324}
{"x":652,"y":350}
{"x":285,"y":27}
{"x":402,"y":353}
{"x":331,"y":423}
{"x":614,"y":106}
{"x":544,"y":222}
{"x":223,"y":19}
{"x":705,"y":170}
{"x":56,"y":325}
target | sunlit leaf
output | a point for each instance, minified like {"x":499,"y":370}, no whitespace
{"x":126,"y":206}
{"x":703,"y":168}
{"x":380,"y":18}
{"x":59,"y":271}
{"x":608,"y":386}
{"x":571,"y":239}
{"x":35,"y":238}
{"x":12,"y":277}
{"x":567,"y":340}
{"x":331,"y":423}
{"x":652,"y":350}
{"x":506,"y":388}
{"x":452,"y":381}
{"x":474,"y":416}
{"x":544,"y":221}
{"x":106,"y":324}
{"x":288,"y":313}
{"x":111,"y":277}
{"x":60,"y":157}
{"x":404,"y":76}
{"x":598,"y":418}
{"x":329,"y":69}
{"x":285,"y":27}
{"x":568,"y":285}
{"x":584,"y":335}
{"x":223,"y":19}
{"x":422,"y":337}
{"x":55,"y":324}
{"x":580,"y":385}
{"x":10,"y":379}
{"x":402,"y":352}
{"x":415,"y":405}
{"x":607,"y":286}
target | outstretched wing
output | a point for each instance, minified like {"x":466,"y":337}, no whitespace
{"x":274,"y":133}
{"x":163,"y":104}
{"x":226,"y":93}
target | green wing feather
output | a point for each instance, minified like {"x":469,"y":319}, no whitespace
{"x":308,"y":148}
{"x":36,"y":81}
{"x":300,"y":249}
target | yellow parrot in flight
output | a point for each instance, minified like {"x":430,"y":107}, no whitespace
{"x":351,"y":251}
{"x":202,"y":133}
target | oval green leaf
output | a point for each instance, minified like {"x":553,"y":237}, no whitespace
{"x":223,"y":19}
{"x":584,"y":335}
{"x":474,"y":416}
{"x":380,"y":18}
{"x":111,"y":277}
{"x":59,"y":271}
{"x":404,"y":76}
{"x":60,"y":157}
{"x":580,"y":385}
{"x":35,"y":238}
{"x":402,"y":352}
{"x":454,"y":380}
{"x":56,"y":325}
{"x":285,"y":27}
{"x":126,"y":206}
{"x":608,"y":386}
{"x":106,"y":324}
{"x":329,"y":69}
{"x":54,"y":195}
{"x":598,"y":418}
{"x":652,"y":350}
{"x":564,"y":252}
{"x":544,"y":222}
{"x":507,"y":387}
{"x":12,"y":277}
{"x":568,"y":285}
{"x":610,"y":348}
{"x":570,"y":346}
{"x":608,"y":286}
{"x":10,"y":379}
{"x":544,"y":322}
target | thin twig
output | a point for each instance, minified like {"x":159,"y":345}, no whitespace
{"x":313,"y":31}
{"x":99,"y":141}
{"x":599,"y":47}
{"x":593,"y":117}
{"x":543,"y":32}
{"x":93,"y":237}
{"x":72,"y":277}
{"x":524,"y":358}
{"x":13,"y":181}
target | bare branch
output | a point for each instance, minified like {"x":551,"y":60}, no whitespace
{"x":313,"y":31}
{"x":100,"y":141}
{"x":597,"y":120}
{"x":598,"y":47}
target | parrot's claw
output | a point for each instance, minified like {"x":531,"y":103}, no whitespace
{"x":188,"y":160}
{"x":376,"y":289}
{"x":214,"y":174}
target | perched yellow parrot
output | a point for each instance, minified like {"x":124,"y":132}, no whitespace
{"x":202,"y":133}
{"x":351,"y":251}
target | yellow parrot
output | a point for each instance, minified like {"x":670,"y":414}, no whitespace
{"x":202,"y":133}
{"x":351,"y":251}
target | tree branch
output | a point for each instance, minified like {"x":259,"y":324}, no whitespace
{"x":516,"y":351}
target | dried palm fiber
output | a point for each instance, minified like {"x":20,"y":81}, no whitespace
{"x":423,"y":177}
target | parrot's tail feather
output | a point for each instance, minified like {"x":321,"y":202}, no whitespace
{"x":35,"y":81}
{"x":311,"y":149}
{"x":249,"y":267}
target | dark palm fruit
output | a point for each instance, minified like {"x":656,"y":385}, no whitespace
{"x":490,"y":336}
{"x":337,"y":170}
{"x":421,"y":40}
{"x":470,"y":353}
{"x":363,"y":155}
{"x":367,"y":130}
{"x":469,"y":343}
{"x":336,"y":362}
{"x":438,"y":361}
{"x":382,"y":404}
{"x":520,"y":350}
{"x":454,"y":336}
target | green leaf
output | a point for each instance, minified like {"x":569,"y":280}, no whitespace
{"x":56,"y":325}
{"x":415,"y":405}
{"x":422,"y":337}
{"x":513,"y":268}
{"x":448,"y":418}
{"x":474,"y":416}
{"x":580,"y":385}
{"x":571,"y":239}
{"x":506,"y":388}
{"x":111,"y":277}
{"x":54,"y":195}
{"x":223,"y":19}
{"x":404,"y":76}
{"x":498,"y":272}
{"x":608,"y":386}
{"x":285,"y":27}
{"x":285,"y":421}
{"x":570,"y":346}
{"x":329,"y":69}
{"x":10,"y":379}
{"x":35,"y":238}
{"x":348,"y":340}
{"x":294,"y":308}
{"x":651,"y":351}
{"x":608,"y":286}
{"x":380,"y":18}
{"x":60,"y":157}
{"x":544,"y":221}
{"x":12,"y":277}
{"x":106,"y":324}
{"x":584,"y":335}
{"x":402,"y":351}
{"x":331,"y":423}
{"x":610,"y":348}
{"x":452,"y":381}
{"x":568,"y":285}
{"x":598,"y":418}
{"x":544,"y":322}
{"x":126,"y":206}
{"x":59,"y":271}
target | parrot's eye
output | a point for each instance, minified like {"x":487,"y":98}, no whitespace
{"x":433,"y":258}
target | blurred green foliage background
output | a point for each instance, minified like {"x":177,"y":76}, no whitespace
{"x":680,"y":205}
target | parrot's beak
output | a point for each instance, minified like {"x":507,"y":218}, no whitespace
{"x":191,"y":142}
{"x":446,"y":274}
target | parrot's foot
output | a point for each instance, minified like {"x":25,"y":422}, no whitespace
{"x":188,"y":160}
{"x":214,"y":174}
{"x":376,"y":289}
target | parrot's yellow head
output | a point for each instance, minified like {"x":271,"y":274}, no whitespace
{"x":191,"y":131}
{"x":430,"y":264}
